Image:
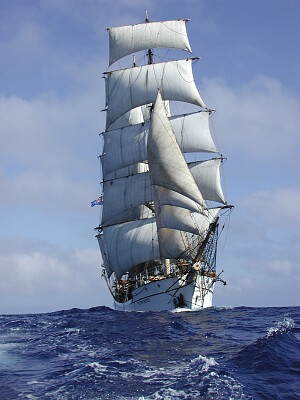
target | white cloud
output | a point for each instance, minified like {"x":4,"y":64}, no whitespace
{"x":48,"y":191}
{"x":48,"y":133}
{"x":48,"y":151}
{"x":35,"y":270}
{"x":277,"y":207}
{"x":281,"y":267}
{"x":259,"y":120}
{"x":258,"y":291}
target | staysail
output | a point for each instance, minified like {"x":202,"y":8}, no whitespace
{"x":169,"y":172}
{"x":166,"y":162}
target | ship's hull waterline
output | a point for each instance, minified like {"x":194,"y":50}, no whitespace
{"x":171,"y":293}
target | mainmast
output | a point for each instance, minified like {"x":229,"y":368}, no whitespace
{"x":150,"y":54}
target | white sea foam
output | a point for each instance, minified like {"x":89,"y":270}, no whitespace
{"x":97,"y":367}
{"x":212,"y":384}
{"x":71,"y":330}
{"x":167,"y":394}
{"x":225,"y":386}
{"x":282,"y":327}
{"x":207,"y":362}
{"x":183,"y":309}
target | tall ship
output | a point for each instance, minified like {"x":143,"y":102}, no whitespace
{"x":161,"y":197}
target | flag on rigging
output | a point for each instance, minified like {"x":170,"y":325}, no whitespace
{"x":98,"y":202}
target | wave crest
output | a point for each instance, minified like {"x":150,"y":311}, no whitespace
{"x":281,"y":328}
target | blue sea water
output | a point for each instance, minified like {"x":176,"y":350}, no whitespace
{"x":217,"y":353}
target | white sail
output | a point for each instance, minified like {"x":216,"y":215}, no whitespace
{"x":124,"y":147}
{"x":126,"y":171}
{"x":129,"y":192}
{"x":174,"y":244}
{"x":166,"y":163}
{"x":125,"y":193}
{"x":128,"y":145}
{"x":132,"y":117}
{"x":125,"y":40}
{"x":108,"y":267}
{"x":207,"y":177}
{"x":204,"y":220}
{"x":135,"y":189}
{"x":193,"y":133}
{"x":133,"y":87}
{"x":133,"y":214}
{"x":169,"y":197}
{"x":179,"y":244}
{"x":130,"y":244}
{"x":175,"y":218}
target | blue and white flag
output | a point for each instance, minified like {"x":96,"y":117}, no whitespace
{"x":98,"y":202}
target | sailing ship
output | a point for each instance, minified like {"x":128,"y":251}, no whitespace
{"x":162,"y":202}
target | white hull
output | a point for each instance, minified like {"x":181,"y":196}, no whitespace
{"x":168,"y":294}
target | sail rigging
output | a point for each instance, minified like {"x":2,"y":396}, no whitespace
{"x":160,"y":212}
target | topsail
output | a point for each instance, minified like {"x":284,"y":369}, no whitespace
{"x":136,"y":86}
{"x":129,"y":39}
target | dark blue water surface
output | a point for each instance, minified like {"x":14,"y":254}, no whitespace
{"x":218,"y":353}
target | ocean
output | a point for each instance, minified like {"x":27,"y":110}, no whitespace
{"x":217,"y":353}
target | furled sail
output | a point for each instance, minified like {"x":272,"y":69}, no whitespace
{"x":125,"y":40}
{"x":128,"y":145}
{"x":133,"y":87}
{"x":166,"y":162}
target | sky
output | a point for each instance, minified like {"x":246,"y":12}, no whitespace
{"x":53,"y":54}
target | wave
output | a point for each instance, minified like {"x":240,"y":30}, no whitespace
{"x":282,"y":327}
{"x":95,"y":353}
{"x":272,"y":349}
{"x":276,"y":356}
{"x":200,"y":377}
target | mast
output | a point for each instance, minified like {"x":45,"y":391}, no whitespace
{"x":150,"y":54}
{"x":179,"y":190}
